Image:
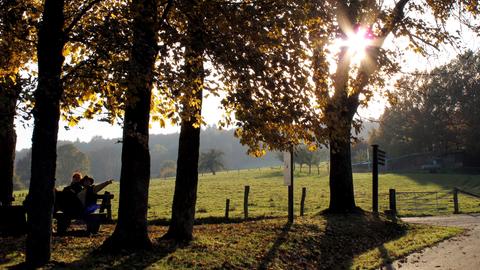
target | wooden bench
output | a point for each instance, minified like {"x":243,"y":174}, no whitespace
{"x":92,"y":220}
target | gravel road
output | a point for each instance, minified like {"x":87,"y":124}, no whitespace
{"x":461,"y":252}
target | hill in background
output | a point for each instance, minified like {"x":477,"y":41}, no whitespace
{"x":105,"y":154}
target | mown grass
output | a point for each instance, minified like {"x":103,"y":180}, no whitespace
{"x":268,"y":195}
{"x":359,"y":241}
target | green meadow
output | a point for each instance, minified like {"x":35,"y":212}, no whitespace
{"x":268,"y":195}
{"x":315,"y":241}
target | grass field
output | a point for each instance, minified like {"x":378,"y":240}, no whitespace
{"x":361,"y":241}
{"x":266,"y":242}
{"x":268,"y":195}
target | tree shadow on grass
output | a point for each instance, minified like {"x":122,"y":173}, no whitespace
{"x":9,"y":246}
{"x":386,"y":259}
{"x":211,"y":220}
{"x":121,"y":260}
{"x":270,"y":256}
{"x":445,"y":181}
{"x":332,"y":245}
{"x":349,"y":235}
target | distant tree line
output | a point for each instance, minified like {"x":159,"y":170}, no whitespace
{"x":69,"y":160}
{"x":435,"y":112}
{"x":100,"y":157}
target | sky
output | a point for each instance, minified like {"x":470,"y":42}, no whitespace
{"x":87,"y":129}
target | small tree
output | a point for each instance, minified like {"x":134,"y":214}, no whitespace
{"x":211,"y":161}
{"x":310,"y":157}
{"x":16,"y":34}
{"x":69,"y":160}
{"x":168,"y":168}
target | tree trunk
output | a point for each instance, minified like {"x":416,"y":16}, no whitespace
{"x":185,"y":196}
{"x":9,"y":92}
{"x":44,"y":139}
{"x":342,"y":198}
{"x":309,"y":169}
{"x":131,"y":230}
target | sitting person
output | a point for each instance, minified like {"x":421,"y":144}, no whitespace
{"x":88,"y":194}
{"x":76,"y":184}
{"x":67,"y":200}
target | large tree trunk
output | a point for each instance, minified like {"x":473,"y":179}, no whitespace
{"x":341,"y":180}
{"x":44,"y":139}
{"x":9,"y":92}
{"x":131,"y":230}
{"x":185,"y":196}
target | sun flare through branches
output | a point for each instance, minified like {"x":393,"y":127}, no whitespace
{"x":356,"y":41}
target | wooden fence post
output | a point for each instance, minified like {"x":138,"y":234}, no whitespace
{"x":245,"y":201}
{"x":227,"y":208}
{"x":302,"y":202}
{"x":393,"y":201}
{"x":375,"y":179}
{"x":108,"y":205}
{"x":291,"y":210}
{"x":455,"y":201}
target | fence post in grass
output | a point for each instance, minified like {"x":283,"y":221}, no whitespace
{"x":302,"y":202}
{"x":108,"y":205}
{"x":290,"y":188}
{"x":455,"y":201}
{"x":227,"y":208}
{"x":375,"y":179}
{"x":393,"y":201}
{"x":245,"y":201}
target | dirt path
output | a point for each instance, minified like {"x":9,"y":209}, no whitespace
{"x":462,"y":252}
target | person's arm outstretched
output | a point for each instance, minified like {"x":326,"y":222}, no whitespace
{"x":97,"y":188}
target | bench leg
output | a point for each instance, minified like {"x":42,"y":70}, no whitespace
{"x":93,"y":226}
{"x":62,"y":225}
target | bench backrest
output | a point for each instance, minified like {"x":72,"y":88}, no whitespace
{"x":106,"y":203}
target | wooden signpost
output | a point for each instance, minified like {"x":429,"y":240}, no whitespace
{"x":288,"y":180}
{"x":379,"y":158}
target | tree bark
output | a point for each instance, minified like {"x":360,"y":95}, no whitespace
{"x":185,"y":196}
{"x":131,"y":230}
{"x":46,"y":112}
{"x":342,"y":198}
{"x":9,"y":93}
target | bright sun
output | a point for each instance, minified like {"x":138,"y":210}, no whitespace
{"x":357,"y":42}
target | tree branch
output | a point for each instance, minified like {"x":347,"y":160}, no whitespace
{"x":79,"y":16}
{"x":163,"y":19}
{"x":396,"y":17}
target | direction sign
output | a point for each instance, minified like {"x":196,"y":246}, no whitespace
{"x":287,"y":172}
